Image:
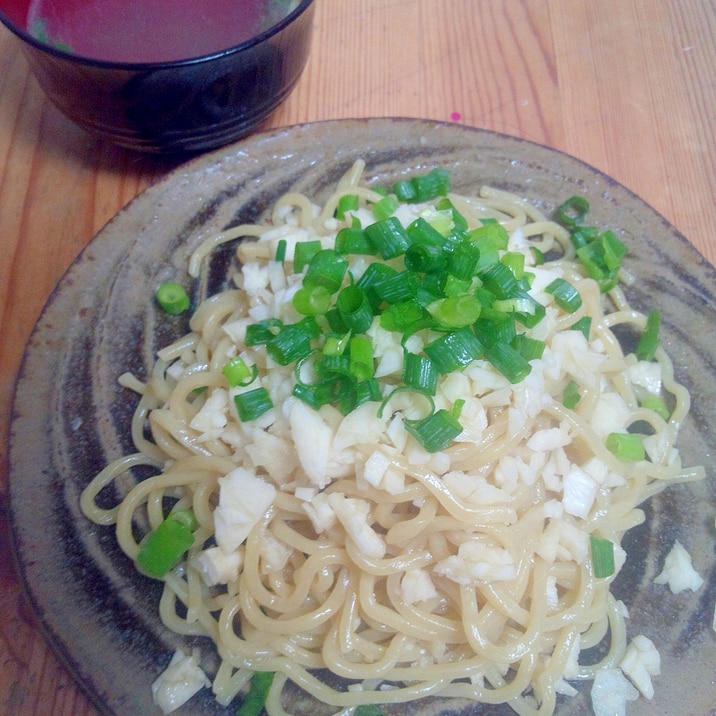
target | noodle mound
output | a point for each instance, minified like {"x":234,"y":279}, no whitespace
{"x":335,"y":540}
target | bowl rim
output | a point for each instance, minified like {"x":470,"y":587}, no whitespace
{"x":276,"y":28}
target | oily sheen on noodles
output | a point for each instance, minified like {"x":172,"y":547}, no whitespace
{"x":333,"y":538}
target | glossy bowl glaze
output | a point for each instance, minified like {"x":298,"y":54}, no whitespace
{"x":70,"y":416}
{"x":189,"y":105}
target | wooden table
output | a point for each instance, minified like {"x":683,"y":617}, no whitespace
{"x":628,"y":86}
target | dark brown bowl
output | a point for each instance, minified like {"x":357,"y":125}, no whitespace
{"x":187,"y":105}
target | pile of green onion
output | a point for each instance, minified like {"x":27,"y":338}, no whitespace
{"x":462,"y":284}
{"x":437,"y":274}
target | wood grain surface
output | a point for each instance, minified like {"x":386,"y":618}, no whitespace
{"x":628,"y":86}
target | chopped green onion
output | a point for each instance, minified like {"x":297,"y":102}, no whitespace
{"x":354,"y":308}
{"x":363,"y":391}
{"x":626,"y":446}
{"x":164,"y":547}
{"x":327,"y":268}
{"x":649,"y":339}
{"x":309,"y":324}
{"x":465,"y":286}
{"x":455,"y":312}
{"x":463,"y":260}
{"x":385,"y":207}
{"x":515,"y":261}
{"x":398,"y":287}
{"x":281,"y":251}
{"x":357,"y":393}
{"x":602,"y":556}
{"x":312,"y":300}
{"x":172,"y":298}
{"x":454,"y":287}
{"x":238,"y":373}
{"x":419,"y":372}
{"x":388,"y":237}
{"x":490,"y":239}
{"x":353,"y":240}
{"x":600,"y":254}
{"x":565,"y":295}
{"x":335,"y":322}
{"x":441,"y":221}
{"x":602,"y":259}
{"x":436,"y":431}
{"x":400,"y":316}
{"x":425,"y":258}
{"x":255,"y":700}
{"x":433,"y":184}
{"x":526,"y":280}
{"x":422,"y":188}
{"x":361,"y":357}
{"x":582,"y":235}
{"x":572,"y":212}
{"x":499,"y":280}
{"x":318,"y":394}
{"x":484,"y":296}
{"x":372,"y":276}
{"x":655,"y":403}
{"x":528,"y":348}
{"x":454,"y":350}
{"x":424,"y":323}
{"x":583,"y":325}
{"x":303,"y":252}
{"x":537,"y":256}
{"x":336,"y":344}
{"x":495,"y":326}
{"x":291,"y":344}
{"x":404,"y":190}
{"x":508,"y":361}
{"x":431,"y":288}
{"x":571,"y":395}
{"x":421,"y":232}
{"x":519,"y":304}
{"x":348,"y":202}
{"x":458,"y":220}
{"x":614,"y":250}
{"x":258,"y":334}
{"x":252,"y":404}
{"x":330,"y":365}
{"x":528,"y":311}
{"x":368,"y":710}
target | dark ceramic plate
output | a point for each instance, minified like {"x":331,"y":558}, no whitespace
{"x":70,"y":417}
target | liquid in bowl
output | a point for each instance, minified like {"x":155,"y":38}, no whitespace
{"x":156,"y":31}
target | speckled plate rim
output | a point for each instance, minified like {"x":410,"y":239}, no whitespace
{"x":99,"y":618}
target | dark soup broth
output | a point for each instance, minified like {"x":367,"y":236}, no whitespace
{"x":151,"y":30}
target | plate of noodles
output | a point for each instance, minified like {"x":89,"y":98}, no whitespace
{"x":434,"y":435}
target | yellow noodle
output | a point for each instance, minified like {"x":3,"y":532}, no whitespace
{"x":207,"y":246}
